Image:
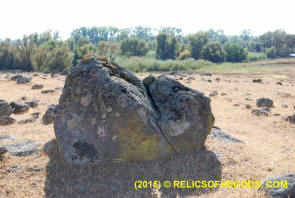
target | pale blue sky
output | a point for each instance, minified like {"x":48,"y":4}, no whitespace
{"x":19,"y":17}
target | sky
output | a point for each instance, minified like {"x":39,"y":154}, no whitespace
{"x":20,"y":17}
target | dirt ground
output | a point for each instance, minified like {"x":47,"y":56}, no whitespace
{"x":269,"y":147}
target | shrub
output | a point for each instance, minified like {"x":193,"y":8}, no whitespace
{"x":213,"y":52}
{"x":184,"y":55}
{"x":235,"y":52}
{"x":133,"y":47}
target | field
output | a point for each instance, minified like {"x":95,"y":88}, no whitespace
{"x":269,"y":147}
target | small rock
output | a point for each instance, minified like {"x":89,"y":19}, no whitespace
{"x":206,"y":74}
{"x":290,"y":118}
{"x":264,"y":102}
{"x":36,"y":114}
{"x":279,"y":83}
{"x":23,"y":149}
{"x":33,"y":103}
{"x":223,"y":94}
{"x":49,"y":115}
{"x":19,"y":107}
{"x":191,"y":78}
{"x":209,"y":81}
{"x":15,"y":169}
{"x":37,"y":86}
{"x":213,"y":93}
{"x":25,"y":121}
{"x":249,"y":99}
{"x":286,"y":191}
{"x":277,"y":114}
{"x":8,"y":137}
{"x":217,"y":79}
{"x":29,"y":170}
{"x":23,"y":80}
{"x":257,"y":80}
{"x":6,"y":120}
{"x":24,"y":98}
{"x":2,"y":150}
{"x":223,"y":136}
{"x":260,"y":112}
{"x":16,"y":77}
{"x":237,"y":105}
{"x":284,"y":105}
{"x":47,"y":91}
{"x":5,"y":108}
{"x":248,"y":106}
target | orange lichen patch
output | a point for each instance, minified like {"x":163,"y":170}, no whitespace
{"x":90,"y":57}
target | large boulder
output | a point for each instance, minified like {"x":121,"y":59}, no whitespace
{"x":5,"y":108}
{"x":106,"y":113}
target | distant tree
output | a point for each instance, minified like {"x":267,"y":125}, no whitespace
{"x":184,"y":55}
{"x":8,"y":59}
{"x":39,"y":59}
{"x":213,"y":52}
{"x":166,"y":48}
{"x":109,"y":49}
{"x":196,"y":43}
{"x":26,"y":48}
{"x":271,"y":52}
{"x":234,"y":52}
{"x":59,"y":59}
{"x":217,"y":35}
{"x":133,"y":47}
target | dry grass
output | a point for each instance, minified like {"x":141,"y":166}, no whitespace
{"x":269,"y":147}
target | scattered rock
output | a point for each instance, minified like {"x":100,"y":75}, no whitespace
{"x":47,"y":91}
{"x":277,"y":114}
{"x":223,"y":94}
{"x":284,"y":94}
{"x":50,"y":147}
{"x":37,"y":86}
{"x":23,"y":80}
{"x":191,"y":78}
{"x":206,"y":74}
{"x":16,"y":77}
{"x":209,"y":81}
{"x":237,"y":105}
{"x":59,"y":88}
{"x":264,"y":102}
{"x":6,"y":120}
{"x":217,"y":79}
{"x":217,"y":133}
{"x":249,"y":99}
{"x":38,"y":169}
{"x":248,"y":106}
{"x":33,"y":103}
{"x":286,"y":191}
{"x":8,"y":137}
{"x":25,"y":121}
{"x":15,"y":169}
{"x":284,"y":105}
{"x":290,"y":118}
{"x":164,"y":116}
{"x":49,"y":115}
{"x":19,"y":107}
{"x":2,"y":151}
{"x":213,"y":93}
{"x":257,"y":80}
{"x":279,"y":83}
{"x":24,"y":98}
{"x":36,"y":114}
{"x":5,"y":108}
{"x":23,"y":149}
{"x":260,"y":112}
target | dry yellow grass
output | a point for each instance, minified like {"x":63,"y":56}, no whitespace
{"x":269,"y":147}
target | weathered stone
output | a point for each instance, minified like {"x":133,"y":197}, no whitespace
{"x":6,"y":120}
{"x":23,"y":80}
{"x":260,"y":112}
{"x":24,"y":148}
{"x":106,"y":113}
{"x":279,"y":83}
{"x":37,"y":86}
{"x":257,"y":80}
{"x":213,"y":93}
{"x":49,"y":115}
{"x":264,"y":102}
{"x":290,"y":118}
{"x":19,"y":107}
{"x":25,"y":121}
{"x":2,"y":150}
{"x":5,"y":108}
{"x":206,"y":74}
{"x":217,"y":133}
{"x":248,"y":106}
{"x":185,"y":114}
{"x":8,"y":137}
{"x":48,"y":91}
{"x":286,"y":191}
{"x":33,"y":103}
{"x":36,"y":114}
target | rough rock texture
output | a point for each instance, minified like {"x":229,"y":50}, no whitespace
{"x":23,"y":148}
{"x":5,"y":108}
{"x":288,"y":191}
{"x":29,"y":120}
{"x":23,"y":80}
{"x":264,"y":102}
{"x":106,"y":113}
{"x":185,"y":114}
{"x":33,"y":103}
{"x":6,"y":120}
{"x":37,"y":86}
{"x":49,"y":115}
{"x":260,"y":112}
{"x":19,"y":107}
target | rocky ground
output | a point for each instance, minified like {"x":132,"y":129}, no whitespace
{"x":261,"y":142}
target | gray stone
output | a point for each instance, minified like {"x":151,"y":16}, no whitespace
{"x":37,"y":86}
{"x":290,"y":118}
{"x":284,"y":105}
{"x":16,"y":77}
{"x":47,"y":91}
{"x":206,"y":74}
{"x":33,"y":103}
{"x":8,"y":137}
{"x":248,"y":106}
{"x":2,"y":150}
{"x":23,"y":80}
{"x":14,"y":169}
{"x":6,"y":120}
{"x":279,"y":83}
{"x":213,"y":93}
{"x":223,"y":94}
{"x":5,"y":108}
{"x":264,"y":102}
{"x":49,"y":115}
{"x":260,"y":112}
{"x":257,"y":80}
{"x":23,"y":149}
{"x":36,"y":114}
{"x":106,"y":113}
{"x":19,"y":107}
{"x":29,"y":120}
{"x":236,"y":105}
{"x":217,"y":133}
{"x":283,"y":192}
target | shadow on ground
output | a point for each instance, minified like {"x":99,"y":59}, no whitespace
{"x":117,"y":180}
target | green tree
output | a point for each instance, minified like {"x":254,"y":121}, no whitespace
{"x":196,"y":43}
{"x":234,"y":52}
{"x":166,"y":48}
{"x":213,"y":52}
{"x":26,"y":48}
{"x":133,"y":47}
{"x":59,"y":59}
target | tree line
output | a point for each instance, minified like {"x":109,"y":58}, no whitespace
{"x":47,"y":52}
